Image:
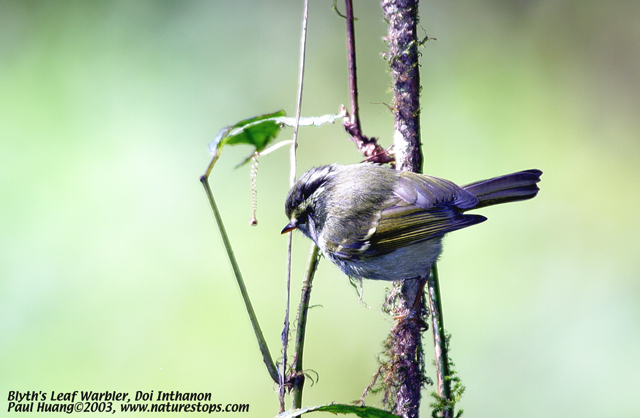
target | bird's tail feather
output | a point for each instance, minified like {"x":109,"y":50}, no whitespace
{"x":508,"y":188}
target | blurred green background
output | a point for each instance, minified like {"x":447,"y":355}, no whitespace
{"x":112,"y":273}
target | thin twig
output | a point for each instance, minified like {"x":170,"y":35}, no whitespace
{"x":369,"y":147}
{"x":282,"y":376}
{"x":292,"y":180}
{"x":303,"y":49}
{"x":354,"y":120}
{"x":262,"y":343}
{"x":297,"y":379}
{"x":439,"y":339}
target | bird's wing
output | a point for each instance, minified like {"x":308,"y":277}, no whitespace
{"x":400,"y":226}
{"x":423,"y":208}
{"x":429,"y":192}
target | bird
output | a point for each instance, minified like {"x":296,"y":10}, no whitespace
{"x":375,"y":222}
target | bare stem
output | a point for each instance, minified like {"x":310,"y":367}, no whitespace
{"x":284,"y":336}
{"x":262,"y":343}
{"x":353,"y":72}
{"x":292,"y":179}
{"x":369,"y":147}
{"x":297,"y":378}
{"x":439,"y":339}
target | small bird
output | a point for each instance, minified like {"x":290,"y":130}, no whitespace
{"x":374,"y":222}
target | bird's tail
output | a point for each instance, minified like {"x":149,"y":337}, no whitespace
{"x":508,"y":188}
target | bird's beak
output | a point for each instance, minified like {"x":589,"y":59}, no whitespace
{"x":290,"y":227}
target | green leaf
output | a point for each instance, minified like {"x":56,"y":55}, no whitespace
{"x":360,"y":411}
{"x":258,"y":131}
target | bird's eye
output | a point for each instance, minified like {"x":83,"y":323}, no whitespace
{"x":302,"y":215}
